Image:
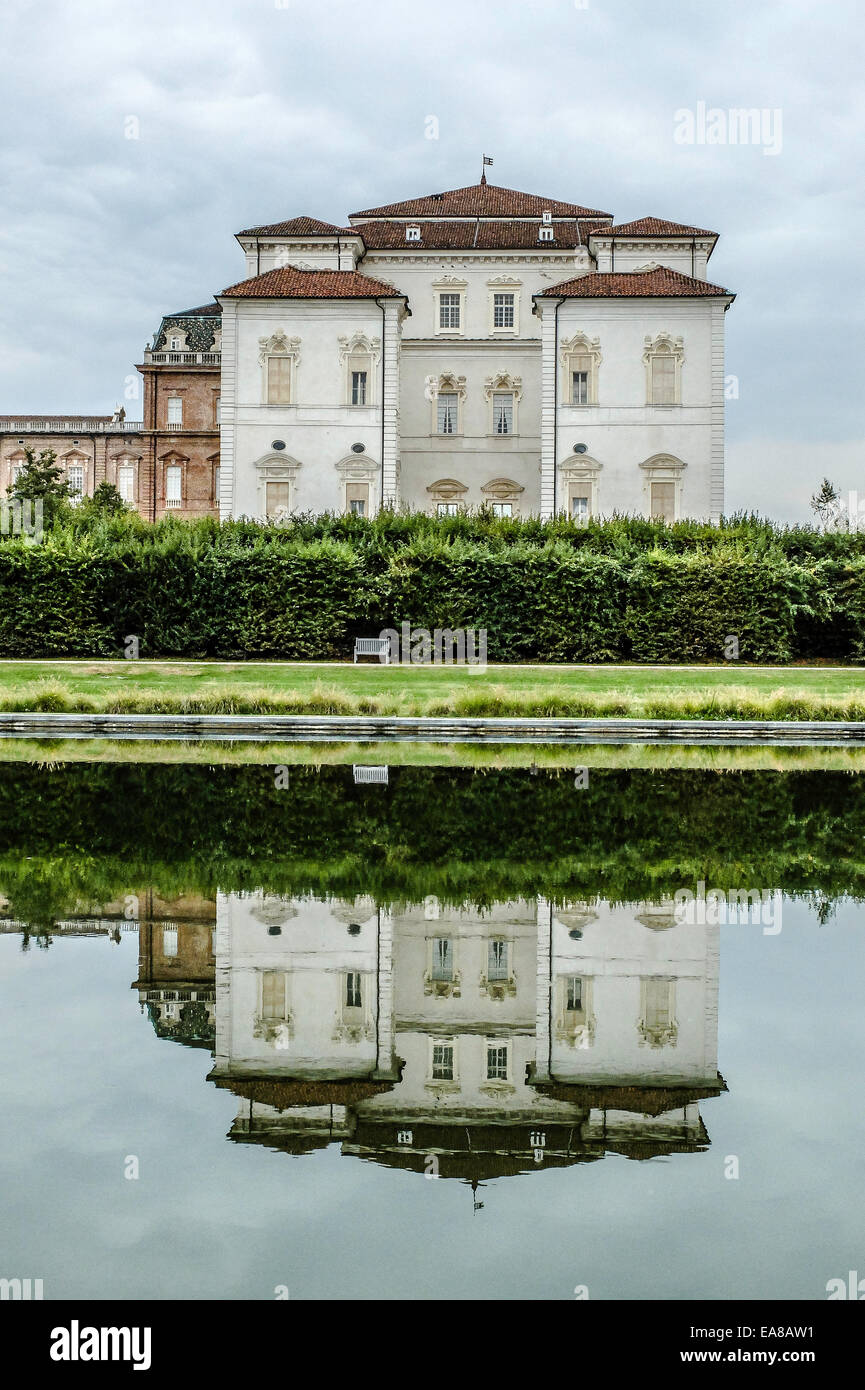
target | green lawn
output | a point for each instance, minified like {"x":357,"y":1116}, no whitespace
{"x":727,"y":691}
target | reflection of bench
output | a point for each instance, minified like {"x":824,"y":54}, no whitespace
{"x":369,"y":774}
{"x":372,"y":646}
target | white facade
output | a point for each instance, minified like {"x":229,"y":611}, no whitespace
{"x":453,"y":351}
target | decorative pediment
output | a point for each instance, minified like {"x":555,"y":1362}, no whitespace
{"x":278,"y":345}
{"x":360,"y":468}
{"x":358,"y":345}
{"x":664,"y":463}
{"x":449,"y":282}
{"x":505,"y":281}
{"x":502,"y":490}
{"x":449,"y":382}
{"x":580,"y":468}
{"x":173,"y":456}
{"x":581,"y":344}
{"x":503,"y":381}
{"x":447,"y":490}
{"x":663,"y":344}
{"x":277,"y":467}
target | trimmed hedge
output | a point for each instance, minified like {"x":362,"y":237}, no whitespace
{"x":241,"y":590}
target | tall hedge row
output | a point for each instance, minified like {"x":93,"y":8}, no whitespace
{"x":238,"y":591}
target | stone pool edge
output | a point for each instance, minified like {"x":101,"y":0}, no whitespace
{"x":308,"y":728}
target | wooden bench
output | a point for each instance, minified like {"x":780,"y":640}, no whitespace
{"x":372,"y":646}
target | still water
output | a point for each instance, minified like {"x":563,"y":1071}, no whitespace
{"x":285,"y":1031}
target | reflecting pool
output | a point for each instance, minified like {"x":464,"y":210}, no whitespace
{"x":430,"y":1031}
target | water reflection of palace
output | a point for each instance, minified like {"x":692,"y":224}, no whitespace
{"x":500,"y":1041}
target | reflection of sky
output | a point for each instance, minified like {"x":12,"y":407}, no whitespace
{"x":86,"y":1082}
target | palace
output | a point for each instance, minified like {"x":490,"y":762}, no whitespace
{"x":479,"y":346}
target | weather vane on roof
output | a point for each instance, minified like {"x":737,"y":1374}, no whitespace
{"x":487,"y":160}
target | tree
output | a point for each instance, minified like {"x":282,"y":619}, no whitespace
{"x":106,"y":501}
{"x":827,"y":503}
{"x":42,"y":479}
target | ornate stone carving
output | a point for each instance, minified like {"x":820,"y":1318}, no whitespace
{"x":503,"y":381}
{"x":278,"y":345}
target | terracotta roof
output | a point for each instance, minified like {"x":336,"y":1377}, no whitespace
{"x":480,"y":200}
{"x":482,"y":236}
{"x":299,"y":226}
{"x":286,"y":282}
{"x":636,"y":284}
{"x":203,"y":309}
{"x":653,"y":226}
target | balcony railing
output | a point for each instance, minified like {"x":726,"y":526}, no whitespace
{"x":182,"y":359}
{"x":43,"y":426}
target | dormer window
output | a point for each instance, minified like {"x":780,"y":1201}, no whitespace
{"x":412,"y":233}
{"x":547,"y":218}
{"x":175,"y":344}
{"x":546,"y":233}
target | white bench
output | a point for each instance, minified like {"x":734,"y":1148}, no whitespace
{"x":372,"y":646}
{"x":369,"y":774}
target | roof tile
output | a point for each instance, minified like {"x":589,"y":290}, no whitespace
{"x":287,"y":282}
{"x":480,"y":200}
{"x":659,"y":283}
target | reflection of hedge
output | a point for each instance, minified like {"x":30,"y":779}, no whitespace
{"x":541,"y":594}
{"x":99,"y":831}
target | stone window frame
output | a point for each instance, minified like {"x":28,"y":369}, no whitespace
{"x":358,"y":469}
{"x":126,"y":460}
{"x":579,"y":348}
{"x":448,"y":382}
{"x":446,"y":490}
{"x":581,"y":474}
{"x":449,"y":284}
{"x":77,"y":457}
{"x":576,"y":1027}
{"x":214,"y":462}
{"x":181,"y":334}
{"x":16,"y":459}
{"x":442,"y":1085}
{"x":502,"y":383}
{"x":503,"y":490}
{"x":172,"y":458}
{"x":655,"y":1035}
{"x":278,"y":344}
{"x":498,"y":1085}
{"x":663,"y":468}
{"x":359,"y":353}
{"x":499,"y":989}
{"x":442,"y":989}
{"x":664,"y":346}
{"x":275,"y":467}
{"x":504,"y":284}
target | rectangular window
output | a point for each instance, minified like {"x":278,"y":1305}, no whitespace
{"x":497,"y":1062}
{"x":126,"y":481}
{"x":279,"y":380}
{"x":169,"y":941}
{"x":352,"y":990}
{"x":273,"y":994}
{"x":75,"y":478}
{"x":447,"y":508}
{"x":442,"y":958}
{"x":175,"y":411}
{"x":217,"y":402}
{"x":216,"y":477}
{"x":503,"y":508}
{"x":497,"y":963}
{"x":358,"y":388}
{"x":664,"y":501}
{"x":503,"y":412}
{"x":443,"y":1062}
{"x":449,"y":311}
{"x":663,"y":381}
{"x":546,"y":234}
{"x":575,"y":995}
{"x":447,"y":412}
{"x":173,"y":481}
{"x":658,"y":1012}
{"x":357,"y":498}
{"x":277,"y":500}
{"x":580,"y":388}
{"x":579,"y":507}
{"x":503,"y":311}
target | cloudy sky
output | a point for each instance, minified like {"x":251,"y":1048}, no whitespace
{"x":136,"y":139}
